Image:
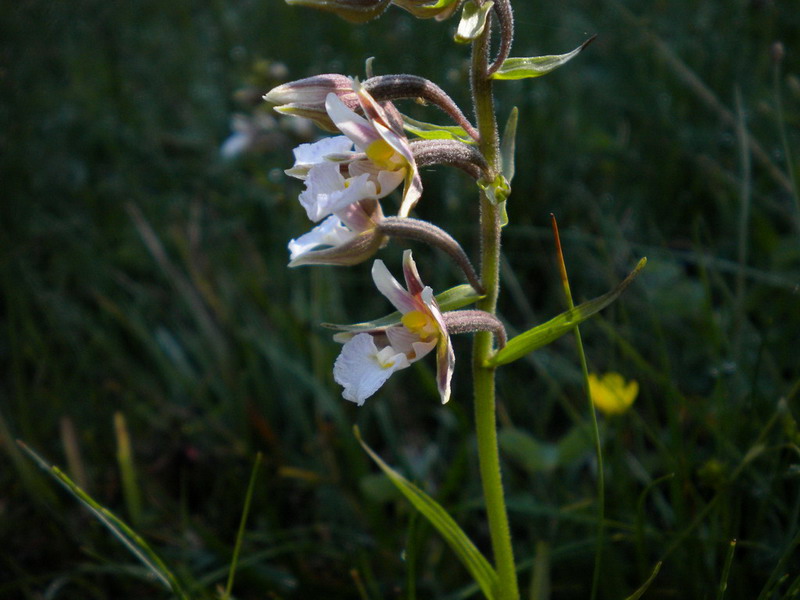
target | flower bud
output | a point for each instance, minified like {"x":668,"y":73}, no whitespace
{"x":355,"y":11}
{"x":306,"y":97}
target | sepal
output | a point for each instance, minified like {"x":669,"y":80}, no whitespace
{"x":306,"y":97}
{"x":360,"y":248}
{"x":355,"y":11}
{"x":473,"y":21}
{"x":498,"y":192}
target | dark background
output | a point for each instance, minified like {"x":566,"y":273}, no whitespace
{"x":144,"y":275}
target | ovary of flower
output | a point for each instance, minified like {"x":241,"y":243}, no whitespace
{"x":611,"y":394}
{"x":369,"y":358}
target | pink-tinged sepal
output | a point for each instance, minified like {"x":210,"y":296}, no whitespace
{"x":348,"y":237}
{"x":306,"y":97}
{"x":355,"y":11}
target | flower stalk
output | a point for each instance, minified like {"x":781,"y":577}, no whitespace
{"x":484,"y":377}
{"x":347,"y":179}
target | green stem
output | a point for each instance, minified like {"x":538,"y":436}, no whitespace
{"x":483,"y":377}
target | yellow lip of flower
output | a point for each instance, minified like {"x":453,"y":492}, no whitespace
{"x":421,"y":324}
{"x":383,"y":155}
{"x":611,"y":394}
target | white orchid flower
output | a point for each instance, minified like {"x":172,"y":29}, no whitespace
{"x":369,"y":358}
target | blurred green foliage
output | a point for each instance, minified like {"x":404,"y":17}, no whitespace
{"x":142,"y":274}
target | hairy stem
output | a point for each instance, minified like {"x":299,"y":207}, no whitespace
{"x":483,"y":377}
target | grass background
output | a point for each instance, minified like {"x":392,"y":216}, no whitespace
{"x":143,"y":276}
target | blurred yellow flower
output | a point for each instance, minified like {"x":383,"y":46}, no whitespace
{"x":611,"y":394}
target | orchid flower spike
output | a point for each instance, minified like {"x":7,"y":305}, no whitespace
{"x":369,"y":357}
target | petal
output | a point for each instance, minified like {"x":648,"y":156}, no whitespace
{"x":412,"y":191}
{"x":308,"y":155}
{"x":388,"y":181}
{"x":445,"y":365}
{"x":361,"y":369}
{"x":413,"y":282}
{"x":389,"y":287}
{"x":328,"y":192}
{"x":331,"y":232}
{"x":355,"y":127}
{"x":362,"y":215}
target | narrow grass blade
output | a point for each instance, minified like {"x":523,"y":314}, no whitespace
{"x":601,"y":481}
{"x":470,"y":556}
{"x":536,"y":66}
{"x":127,"y":470}
{"x":726,"y":571}
{"x":640,"y":592}
{"x":240,"y":534}
{"x":137,"y":546}
{"x":546,"y":333}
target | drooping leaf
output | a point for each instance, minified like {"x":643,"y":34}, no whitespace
{"x":431,"y":131}
{"x":546,"y":333}
{"x":473,"y":21}
{"x":508,"y":145}
{"x":452,"y":299}
{"x":118,"y":528}
{"x":536,"y":66}
{"x":477,"y":565}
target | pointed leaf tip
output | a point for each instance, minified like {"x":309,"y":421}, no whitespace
{"x":536,"y":66}
{"x":546,"y":333}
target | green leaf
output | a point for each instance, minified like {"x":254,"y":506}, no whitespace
{"x":640,"y":592}
{"x":431,"y":131}
{"x":536,"y":457}
{"x":531,"y":454}
{"x":536,"y":66}
{"x":452,"y":299}
{"x":473,"y":20}
{"x":544,"y":334}
{"x":138,"y":547}
{"x":508,"y":146}
{"x":477,"y":565}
